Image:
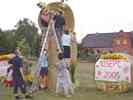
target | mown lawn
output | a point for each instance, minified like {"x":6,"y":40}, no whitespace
{"x":85,"y":91}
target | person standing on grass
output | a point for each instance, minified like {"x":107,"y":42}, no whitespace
{"x":43,"y":64}
{"x":18,"y":76}
{"x":63,"y":78}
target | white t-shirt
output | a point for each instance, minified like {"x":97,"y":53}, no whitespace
{"x":66,"y":40}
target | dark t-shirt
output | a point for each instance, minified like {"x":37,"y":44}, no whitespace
{"x":59,"y":21}
{"x":17,"y":64}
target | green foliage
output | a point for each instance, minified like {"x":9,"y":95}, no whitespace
{"x":91,"y":56}
{"x":24,"y":36}
{"x":88,"y":56}
{"x":24,"y":47}
{"x":28,"y":31}
{"x":7,"y":39}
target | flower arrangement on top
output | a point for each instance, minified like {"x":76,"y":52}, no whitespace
{"x":114,"y":56}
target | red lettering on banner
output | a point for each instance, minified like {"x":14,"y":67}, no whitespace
{"x":111,"y":75}
{"x":99,"y":73}
{"x":108,"y":63}
{"x":112,"y":70}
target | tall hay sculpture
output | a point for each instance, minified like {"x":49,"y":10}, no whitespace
{"x":52,"y":46}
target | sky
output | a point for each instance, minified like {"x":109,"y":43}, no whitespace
{"x":91,"y":16}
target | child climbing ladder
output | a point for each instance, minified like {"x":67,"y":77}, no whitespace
{"x":50,"y":28}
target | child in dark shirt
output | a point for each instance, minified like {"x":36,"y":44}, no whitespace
{"x":18,"y":76}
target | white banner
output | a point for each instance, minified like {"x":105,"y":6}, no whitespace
{"x":3,"y":67}
{"x":113,"y":70}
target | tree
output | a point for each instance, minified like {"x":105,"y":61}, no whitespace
{"x":25,"y":36}
{"x":7,"y":39}
{"x":24,"y":47}
{"x":26,"y":29}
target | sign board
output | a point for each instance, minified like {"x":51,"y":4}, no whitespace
{"x":113,"y":70}
{"x":3,"y":67}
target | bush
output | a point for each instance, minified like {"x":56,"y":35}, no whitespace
{"x":88,"y":56}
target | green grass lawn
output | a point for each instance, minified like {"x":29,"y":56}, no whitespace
{"x":82,"y":93}
{"x":85,"y":91}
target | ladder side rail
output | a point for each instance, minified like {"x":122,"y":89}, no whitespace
{"x":45,"y":39}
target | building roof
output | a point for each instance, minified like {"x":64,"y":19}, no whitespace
{"x":98,"y":40}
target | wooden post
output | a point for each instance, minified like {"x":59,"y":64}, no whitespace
{"x":73,"y":47}
{"x":73,"y":56}
{"x":52,"y":59}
